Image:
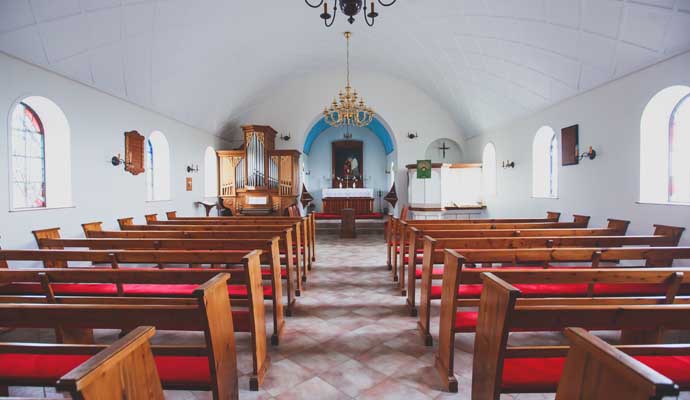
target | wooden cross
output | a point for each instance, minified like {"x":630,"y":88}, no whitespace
{"x":443,"y":148}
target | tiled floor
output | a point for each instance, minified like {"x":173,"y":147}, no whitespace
{"x":350,"y":337}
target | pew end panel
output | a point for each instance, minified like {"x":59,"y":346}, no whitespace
{"x":619,"y":225}
{"x":123,"y":222}
{"x":594,"y":370}
{"x":581,"y":220}
{"x":553,"y":216}
{"x":674,"y":233}
{"x":170,"y":215}
{"x":151,"y":218}
{"x":124,"y":370}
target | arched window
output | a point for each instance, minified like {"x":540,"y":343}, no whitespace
{"x":665,"y":147}
{"x":157,"y":167}
{"x":545,"y":163}
{"x":210,"y":173}
{"x":40,"y":155}
{"x":489,"y":170}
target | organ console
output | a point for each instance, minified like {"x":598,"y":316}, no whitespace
{"x":257,"y":179}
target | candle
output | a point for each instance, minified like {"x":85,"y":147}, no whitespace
{"x":372,"y":7}
{"x":325,"y":7}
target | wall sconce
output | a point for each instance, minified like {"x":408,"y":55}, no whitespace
{"x":118,"y":160}
{"x":285,"y":137}
{"x":590,"y":153}
{"x":192,"y":168}
{"x":412,"y":135}
{"x":508,"y":164}
{"x":387,"y":171}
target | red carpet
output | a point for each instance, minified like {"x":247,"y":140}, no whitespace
{"x":358,"y":216}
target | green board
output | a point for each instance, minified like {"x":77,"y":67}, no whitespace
{"x":423,"y":169}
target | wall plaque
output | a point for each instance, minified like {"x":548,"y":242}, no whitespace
{"x":134,"y":152}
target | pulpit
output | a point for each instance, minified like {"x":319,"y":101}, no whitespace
{"x":359,"y":199}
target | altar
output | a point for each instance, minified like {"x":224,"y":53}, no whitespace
{"x":336,"y":199}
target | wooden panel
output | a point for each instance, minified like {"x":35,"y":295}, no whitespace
{"x":361,"y":205}
{"x":134,"y":152}
{"x":570,"y":146}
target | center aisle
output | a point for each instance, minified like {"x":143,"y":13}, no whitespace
{"x":351,"y":336}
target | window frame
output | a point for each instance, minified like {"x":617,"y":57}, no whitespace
{"x":493,"y":191}
{"x":11,"y":159}
{"x":683,"y":102}
{"x":552,"y":158}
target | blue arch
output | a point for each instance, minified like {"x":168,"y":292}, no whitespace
{"x":376,"y":127}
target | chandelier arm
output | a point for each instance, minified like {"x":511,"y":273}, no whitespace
{"x":314,"y":6}
{"x":335,"y":12}
{"x":366,"y":18}
{"x":386,"y":4}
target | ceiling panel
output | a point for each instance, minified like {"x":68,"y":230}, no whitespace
{"x":208,"y":61}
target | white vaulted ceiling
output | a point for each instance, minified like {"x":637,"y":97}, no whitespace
{"x":205,"y":62}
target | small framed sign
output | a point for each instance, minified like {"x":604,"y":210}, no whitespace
{"x":423,"y":169}
{"x":188,"y":182}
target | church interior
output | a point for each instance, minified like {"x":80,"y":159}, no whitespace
{"x":345,"y":199}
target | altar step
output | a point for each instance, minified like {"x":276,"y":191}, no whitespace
{"x":367,"y":226}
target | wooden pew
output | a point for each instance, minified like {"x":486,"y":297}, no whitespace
{"x":392,"y":227}
{"x":270,"y":255}
{"x":139,"y":285}
{"x":594,"y":370}
{"x":123,"y":370}
{"x":433,"y":248}
{"x":579,"y":221}
{"x":651,"y":256}
{"x":311,"y":227}
{"x":298,"y":236}
{"x":304,"y":223}
{"x":291,"y":259}
{"x":499,"y":368}
{"x":210,"y":367}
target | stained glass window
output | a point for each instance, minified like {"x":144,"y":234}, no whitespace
{"x":679,"y":153}
{"x":28,"y":159}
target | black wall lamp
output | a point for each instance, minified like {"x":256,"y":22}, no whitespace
{"x":412,"y":135}
{"x":192,"y":168}
{"x":508,"y":164}
{"x":590,"y":153}
{"x":285,"y":137}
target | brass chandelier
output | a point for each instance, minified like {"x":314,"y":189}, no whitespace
{"x":350,"y":8}
{"x":349,"y":109}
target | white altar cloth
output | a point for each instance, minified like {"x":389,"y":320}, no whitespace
{"x":348,"y":192}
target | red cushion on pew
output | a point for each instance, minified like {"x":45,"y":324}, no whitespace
{"x":464,"y":291}
{"x":539,"y":375}
{"x":21,"y":288}
{"x":240,"y":291}
{"x":466,"y":321}
{"x":435,"y":271}
{"x":240,"y":321}
{"x":51,"y":367}
{"x":96,"y":289}
{"x":184,"y":290}
{"x":419,"y":259}
{"x":267,"y":272}
{"x":603,"y":289}
{"x":553,"y":290}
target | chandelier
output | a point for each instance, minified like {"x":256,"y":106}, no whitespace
{"x":349,"y":8}
{"x":349,"y":109}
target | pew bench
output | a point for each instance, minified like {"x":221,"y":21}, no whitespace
{"x":535,"y":260}
{"x":501,"y":368}
{"x":290,"y":259}
{"x":211,"y":367}
{"x":136,"y":286}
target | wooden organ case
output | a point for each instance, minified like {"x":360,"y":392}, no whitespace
{"x":257,"y":179}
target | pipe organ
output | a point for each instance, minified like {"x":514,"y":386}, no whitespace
{"x":257,"y":178}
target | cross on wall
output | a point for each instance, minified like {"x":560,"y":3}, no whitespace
{"x":443,"y":148}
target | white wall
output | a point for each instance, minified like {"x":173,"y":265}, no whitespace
{"x":97,"y":121}
{"x":609,"y":120}
{"x":296,"y":105}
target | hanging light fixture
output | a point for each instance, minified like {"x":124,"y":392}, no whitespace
{"x":349,"y":8}
{"x":348,"y":109}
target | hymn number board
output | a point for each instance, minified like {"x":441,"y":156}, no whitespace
{"x":134,"y":152}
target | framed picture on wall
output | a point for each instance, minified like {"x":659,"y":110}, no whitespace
{"x":348,"y":163}
{"x":570,"y":145}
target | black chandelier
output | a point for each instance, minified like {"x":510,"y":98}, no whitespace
{"x":349,"y":8}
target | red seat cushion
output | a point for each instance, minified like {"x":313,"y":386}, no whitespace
{"x":419,"y":259}
{"x":434,"y":271}
{"x":466,"y":321}
{"x":51,"y":367}
{"x":283,"y":271}
{"x":541,"y":375}
{"x":464,"y":291}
